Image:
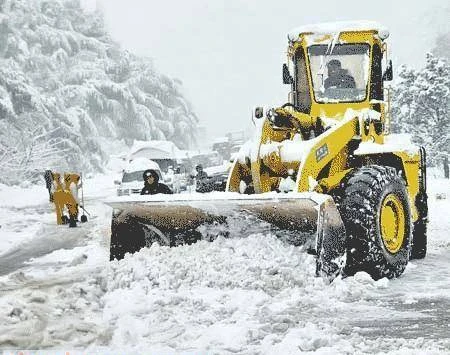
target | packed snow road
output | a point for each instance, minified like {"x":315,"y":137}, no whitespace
{"x":253,"y":295}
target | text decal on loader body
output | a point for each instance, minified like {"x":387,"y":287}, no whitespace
{"x":321,"y":152}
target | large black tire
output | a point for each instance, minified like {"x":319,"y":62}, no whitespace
{"x":72,"y":222}
{"x":65,"y":219}
{"x":367,"y":192}
{"x":419,"y":238}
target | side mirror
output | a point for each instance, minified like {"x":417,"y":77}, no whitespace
{"x":388,"y":74}
{"x":287,"y":78}
{"x":116,"y":182}
{"x":259,"y":112}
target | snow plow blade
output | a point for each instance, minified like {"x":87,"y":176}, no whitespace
{"x":308,"y":219}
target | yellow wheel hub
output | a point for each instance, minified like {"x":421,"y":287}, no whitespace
{"x":392,"y":223}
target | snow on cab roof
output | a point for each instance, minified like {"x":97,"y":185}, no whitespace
{"x":338,"y":27}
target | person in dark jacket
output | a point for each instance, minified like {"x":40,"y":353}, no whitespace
{"x":201,"y":174}
{"x":337,"y":77}
{"x":152,"y":185}
{"x":48,"y":177}
{"x":202,"y":180}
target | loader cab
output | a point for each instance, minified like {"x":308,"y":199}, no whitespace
{"x":341,"y":73}
{"x":336,"y":69}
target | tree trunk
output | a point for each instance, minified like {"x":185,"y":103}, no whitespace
{"x":446,"y":168}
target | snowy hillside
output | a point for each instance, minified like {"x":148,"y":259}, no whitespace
{"x":64,"y":83}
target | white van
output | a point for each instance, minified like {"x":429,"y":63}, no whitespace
{"x":132,"y":181}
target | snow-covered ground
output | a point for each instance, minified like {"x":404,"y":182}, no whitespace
{"x":253,"y":295}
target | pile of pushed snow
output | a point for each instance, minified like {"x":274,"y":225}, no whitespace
{"x":56,"y":301}
{"x":232,"y":295}
{"x":268,"y":265}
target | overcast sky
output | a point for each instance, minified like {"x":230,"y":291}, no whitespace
{"x":228,"y":53}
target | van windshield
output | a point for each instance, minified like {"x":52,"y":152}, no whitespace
{"x":133,"y":176}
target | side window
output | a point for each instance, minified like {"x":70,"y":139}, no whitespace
{"x":301,"y":83}
{"x":376,"y":81}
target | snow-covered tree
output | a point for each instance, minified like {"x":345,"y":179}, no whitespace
{"x":62,"y":77}
{"x":421,"y":106}
{"x":442,"y":46}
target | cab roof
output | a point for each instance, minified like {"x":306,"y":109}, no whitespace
{"x":338,"y":27}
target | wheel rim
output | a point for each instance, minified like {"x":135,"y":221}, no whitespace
{"x":392,"y":223}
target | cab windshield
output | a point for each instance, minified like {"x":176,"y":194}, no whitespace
{"x":339,"y":73}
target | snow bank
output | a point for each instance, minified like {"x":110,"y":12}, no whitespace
{"x":254,"y":295}
{"x":242,"y":295}
{"x":20,"y":197}
{"x":16,"y":206}
{"x":439,"y":206}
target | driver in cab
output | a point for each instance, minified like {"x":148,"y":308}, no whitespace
{"x":337,"y":77}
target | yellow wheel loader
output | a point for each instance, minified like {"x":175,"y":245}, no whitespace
{"x":322,"y":170}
